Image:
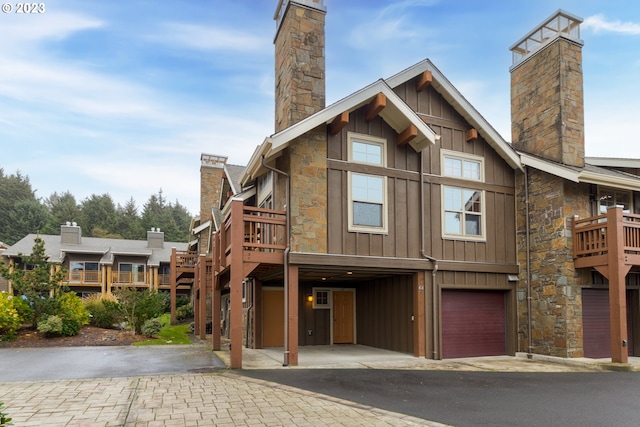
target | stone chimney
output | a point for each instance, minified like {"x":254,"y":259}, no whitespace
{"x":547,"y":101}
{"x":299,"y":62}
{"x":155,"y":239}
{"x":70,"y":234}
{"x":211,"y":173}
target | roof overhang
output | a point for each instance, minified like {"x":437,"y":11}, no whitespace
{"x":581,"y":175}
{"x":396,"y":113}
{"x":462,"y":106}
{"x":613,"y":162}
{"x":201,"y":227}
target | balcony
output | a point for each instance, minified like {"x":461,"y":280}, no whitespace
{"x":129,"y":278}
{"x":258,"y":236}
{"x":593,"y":239}
{"x":92,"y":277}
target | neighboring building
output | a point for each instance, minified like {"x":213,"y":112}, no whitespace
{"x":97,"y":265}
{"x":578,"y":226}
{"x":4,"y":285}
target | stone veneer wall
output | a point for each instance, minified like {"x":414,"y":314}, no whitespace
{"x":547,"y":106}
{"x":299,"y":65}
{"x":308,"y":171}
{"x":556,"y":296}
{"x":210,"y":188}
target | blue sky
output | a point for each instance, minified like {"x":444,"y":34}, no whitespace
{"x":123,"y":96}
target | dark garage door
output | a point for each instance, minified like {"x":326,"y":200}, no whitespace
{"x":596,"y":331}
{"x":473,"y":323}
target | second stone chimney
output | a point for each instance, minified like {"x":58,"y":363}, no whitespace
{"x":155,"y":239}
{"x":547,"y":100}
{"x":299,"y":60}
{"x":70,"y":234}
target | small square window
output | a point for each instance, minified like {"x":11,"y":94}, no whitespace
{"x":321,"y":298}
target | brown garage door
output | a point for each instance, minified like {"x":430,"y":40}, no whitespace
{"x":473,"y":323}
{"x":596,"y":332}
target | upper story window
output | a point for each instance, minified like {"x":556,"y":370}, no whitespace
{"x":460,"y":165}
{"x":463,"y":215}
{"x":367,"y":149}
{"x":609,"y":197}
{"x":367,"y":191}
{"x":84,"y":271}
{"x":131,"y":273}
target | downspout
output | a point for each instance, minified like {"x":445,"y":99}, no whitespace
{"x":434,"y":314}
{"x":286,"y":258}
{"x":528,"y":241}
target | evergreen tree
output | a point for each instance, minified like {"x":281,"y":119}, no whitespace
{"x":34,"y":279}
{"x":17,"y":198}
{"x":129,"y":223}
{"x":98,"y":212}
{"x":62,"y":208}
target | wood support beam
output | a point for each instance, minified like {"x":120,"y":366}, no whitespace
{"x":339,"y":123}
{"x":406,"y":135}
{"x":376,"y":105}
{"x":617,"y":287}
{"x":202,"y":286}
{"x":471,"y":134}
{"x":236,"y":277}
{"x":291,"y":320}
{"x":425,"y":80}
{"x":419,"y":335}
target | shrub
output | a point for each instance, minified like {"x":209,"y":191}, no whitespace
{"x":10,"y":320}
{"x":105,"y":311}
{"x":184,"y":312}
{"x":5,"y":420}
{"x":139,"y":306}
{"x":152,"y":327}
{"x":182,"y":301}
{"x":73,"y":313}
{"x":50,"y":325}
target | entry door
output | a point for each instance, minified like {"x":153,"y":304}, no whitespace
{"x":273,"y":318}
{"x":343,"y":317}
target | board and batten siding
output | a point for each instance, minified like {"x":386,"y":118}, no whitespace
{"x":403,"y":189}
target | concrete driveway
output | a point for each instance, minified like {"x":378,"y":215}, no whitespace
{"x":28,"y":364}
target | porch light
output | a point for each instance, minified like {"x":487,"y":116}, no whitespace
{"x":310,"y":298}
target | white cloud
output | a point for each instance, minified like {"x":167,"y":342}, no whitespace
{"x":206,"y":38}
{"x":598,"y":23}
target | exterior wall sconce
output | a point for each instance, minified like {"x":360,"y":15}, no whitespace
{"x":310,"y":298}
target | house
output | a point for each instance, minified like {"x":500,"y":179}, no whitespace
{"x":98,"y":265}
{"x":398,"y":218}
{"x":385,"y":219}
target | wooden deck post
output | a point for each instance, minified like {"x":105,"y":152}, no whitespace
{"x":202,"y":285}
{"x":235,"y":319}
{"x":291,"y":346}
{"x":197,"y":296}
{"x":173,"y":273}
{"x":215,"y":309}
{"x":617,"y":293}
{"x":419,"y":336}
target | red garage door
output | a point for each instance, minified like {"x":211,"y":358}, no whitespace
{"x":596,"y":332}
{"x":473,"y":323}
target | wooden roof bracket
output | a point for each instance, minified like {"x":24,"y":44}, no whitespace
{"x":406,"y":135}
{"x":338,"y":123}
{"x":376,"y":105}
{"x":425,"y":80}
{"x":471,"y":134}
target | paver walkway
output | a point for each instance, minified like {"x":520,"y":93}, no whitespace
{"x":220,"y":399}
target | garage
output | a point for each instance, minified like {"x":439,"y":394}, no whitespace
{"x":596,"y":331}
{"x":474,"y":323}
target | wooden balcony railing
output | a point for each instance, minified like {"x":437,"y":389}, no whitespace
{"x":83,"y":276}
{"x":264,"y":236}
{"x":591,"y":237}
{"x":129,"y":278}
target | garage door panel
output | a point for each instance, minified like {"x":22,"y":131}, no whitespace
{"x":596,"y":330}
{"x":473,"y":323}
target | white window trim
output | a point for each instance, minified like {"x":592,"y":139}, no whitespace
{"x":461,"y":156}
{"x":385,"y":209}
{"x":314,"y":292}
{"x":615,"y":191}
{"x":483,"y":217}
{"x":358,"y":137}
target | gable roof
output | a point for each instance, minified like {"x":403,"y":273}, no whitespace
{"x":462,"y":107}
{"x":234,"y":174}
{"x":396,"y":113}
{"x":590,"y":173}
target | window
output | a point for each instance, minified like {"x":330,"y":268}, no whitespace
{"x":610,"y":197}
{"x":460,"y":165}
{"x":321,"y":298}
{"x":84,"y":271}
{"x":463,"y":208}
{"x":131,"y":273}
{"x":367,"y":192}
{"x":463,"y":212}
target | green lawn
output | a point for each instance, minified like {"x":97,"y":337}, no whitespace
{"x":169,"y":334}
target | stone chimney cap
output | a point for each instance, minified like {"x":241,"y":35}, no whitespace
{"x":283,"y":4}
{"x":559,"y":24}
{"x":213,"y":160}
